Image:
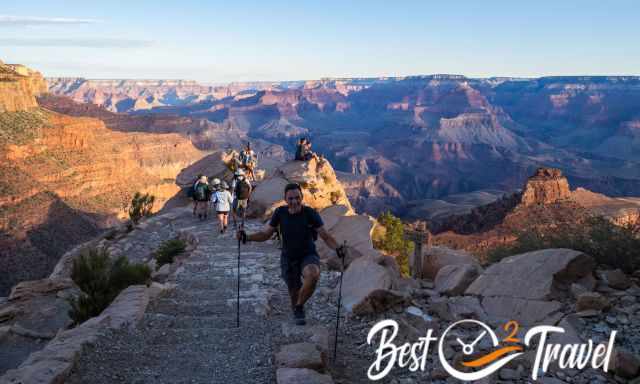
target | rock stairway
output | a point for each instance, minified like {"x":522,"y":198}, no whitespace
{"x":189,"y":335}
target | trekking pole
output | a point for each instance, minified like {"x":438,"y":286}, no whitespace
{"x":238,"y":297}
{"x":335,"y":343}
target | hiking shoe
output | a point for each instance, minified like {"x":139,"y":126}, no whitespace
{"x":298,"y":315}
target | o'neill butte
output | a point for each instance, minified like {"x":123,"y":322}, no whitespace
{"x":479,"y":160}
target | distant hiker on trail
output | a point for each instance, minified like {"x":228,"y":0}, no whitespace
{"x":242,"y":192}
{"x":191,"y":192}
{"x":201,"y":193}
{"x":249,"y":160}
{"x":222,"y":201}
{"x":299,"y":226}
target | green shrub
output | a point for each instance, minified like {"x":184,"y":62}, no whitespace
{"x":168,"y":250}
{"x":610,"y":244}
{"x":394,"y":242}
{"x":101,"y":280}
{"x":141,"y":206}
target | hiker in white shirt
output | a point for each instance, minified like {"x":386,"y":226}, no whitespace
{"x":222,"y":201}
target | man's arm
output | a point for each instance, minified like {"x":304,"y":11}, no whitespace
{"x":263,"y":235}
{"x":328,"y":239}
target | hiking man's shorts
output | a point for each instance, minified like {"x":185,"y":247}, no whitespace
{"x":291,"y":269}
{"x":237,"y":204}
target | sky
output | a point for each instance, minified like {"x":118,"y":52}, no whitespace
{"x":224,"y":41}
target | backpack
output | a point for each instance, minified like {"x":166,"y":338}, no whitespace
{"x":243,"y":189}
{"x":200,"y":192}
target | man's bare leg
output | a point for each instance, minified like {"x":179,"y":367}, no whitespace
{"x":310,"y":275}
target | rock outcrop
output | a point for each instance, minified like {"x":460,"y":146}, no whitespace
{"x":546,"y":186}
{"x":19,"y":87}
{"x":527,"y":287}
{"x":316,"y":177}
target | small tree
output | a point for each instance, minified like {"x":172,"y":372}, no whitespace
{"x":168,"y":250}
{"x":610,"y":244}
{"x":101,"y":280}
{"x":394,"y":242}
{"x":141,"y":206}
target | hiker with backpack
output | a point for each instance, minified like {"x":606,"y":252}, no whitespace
{"x":242,"y":192}
{"x":222,"y":202}
{"x":191,"y":192}
{"x":248,"y":160}
{"x":201,"y":194}
{"x":299,"y":226}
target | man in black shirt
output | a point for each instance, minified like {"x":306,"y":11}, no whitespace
{"x":299,"y":227}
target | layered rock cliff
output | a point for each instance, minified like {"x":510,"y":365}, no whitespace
{"x":19,"y":87}
{"x":63,"y":179}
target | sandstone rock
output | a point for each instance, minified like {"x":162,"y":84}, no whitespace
{"x":331,"y":215}
{"x":266,"y":197}
{"x":458,"y":308}
{"x":454,"y":279}
{"x":356,"y":230}
{"x":318,"y":181}
{"x":367,"y":287}
{"x":526,"y":312}
{"x":126,"y":309}
{"x":538,"y":275}
{"x":301,"y":355}
{"x":39,"y":308}
{"x":545,"y":187}
{"x":592,"y":300}
{"x":316,"y":334}
{"x":19,"y":86}
{"x":615,"y":279}
{"x":161,"y":274}
{"x":300,"y":376}
{"x":437,"y":257}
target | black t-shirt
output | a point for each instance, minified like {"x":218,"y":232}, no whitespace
{"x":297,"y":230}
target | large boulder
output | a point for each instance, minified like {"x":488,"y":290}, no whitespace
{"x":356,"y":230}
{"x":537,"y":275}
{"x":368,"y":286}
{"x":35,"y":311}
{"x":301,"y":355}
{"x":436,"y":257}
{"x":454,"y":279}
{"x":525,"y":287}
{"x":266,"y":197}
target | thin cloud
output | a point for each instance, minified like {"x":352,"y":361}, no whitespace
{"x":6,"y":20}
{"x":72,"y":42}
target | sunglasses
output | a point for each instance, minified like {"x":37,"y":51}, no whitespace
{"x":294,"y":198}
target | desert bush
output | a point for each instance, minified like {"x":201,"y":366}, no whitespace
{"x":610,"y":244}
{"x":101,"y":280}
{"x":394,"y":242}
{"x":141,"y":206}
{"x":167,"y":251}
